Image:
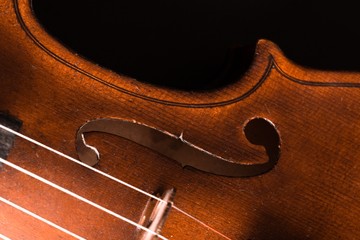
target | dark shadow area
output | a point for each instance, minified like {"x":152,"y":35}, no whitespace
{"x":274,"y":228}
{"x":186,"y":43}
{"x":7,"y":138}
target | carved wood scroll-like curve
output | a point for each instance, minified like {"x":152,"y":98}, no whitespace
{"x":174,"y":147}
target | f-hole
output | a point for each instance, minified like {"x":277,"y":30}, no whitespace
{"x":261,"y":131}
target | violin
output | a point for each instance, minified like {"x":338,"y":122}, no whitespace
{"x":90,"y":154}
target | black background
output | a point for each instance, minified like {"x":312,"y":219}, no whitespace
{"x":186,"y":43}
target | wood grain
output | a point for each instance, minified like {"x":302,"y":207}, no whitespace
{"x":312,"y":193}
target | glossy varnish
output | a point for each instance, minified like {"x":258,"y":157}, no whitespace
{"x":312,"y":192}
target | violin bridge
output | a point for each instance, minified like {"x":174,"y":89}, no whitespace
{"x":155,"y":214}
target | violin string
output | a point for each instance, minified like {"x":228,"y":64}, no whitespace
{"x":81,"y":163}
{"x":110,"y":177}
{"x":34,"y":215}
{"x":200,"y":222}
{"x":66,"y":191}
{"x":3,"y":237}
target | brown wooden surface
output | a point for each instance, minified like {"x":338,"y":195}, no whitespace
{"x":312,"y":193}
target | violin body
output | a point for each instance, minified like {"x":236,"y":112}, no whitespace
{"x":312,"y":192}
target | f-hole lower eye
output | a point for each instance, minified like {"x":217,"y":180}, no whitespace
{"x":261,"y":131}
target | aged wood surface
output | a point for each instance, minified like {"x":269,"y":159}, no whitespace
{"x":312,"y":193}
